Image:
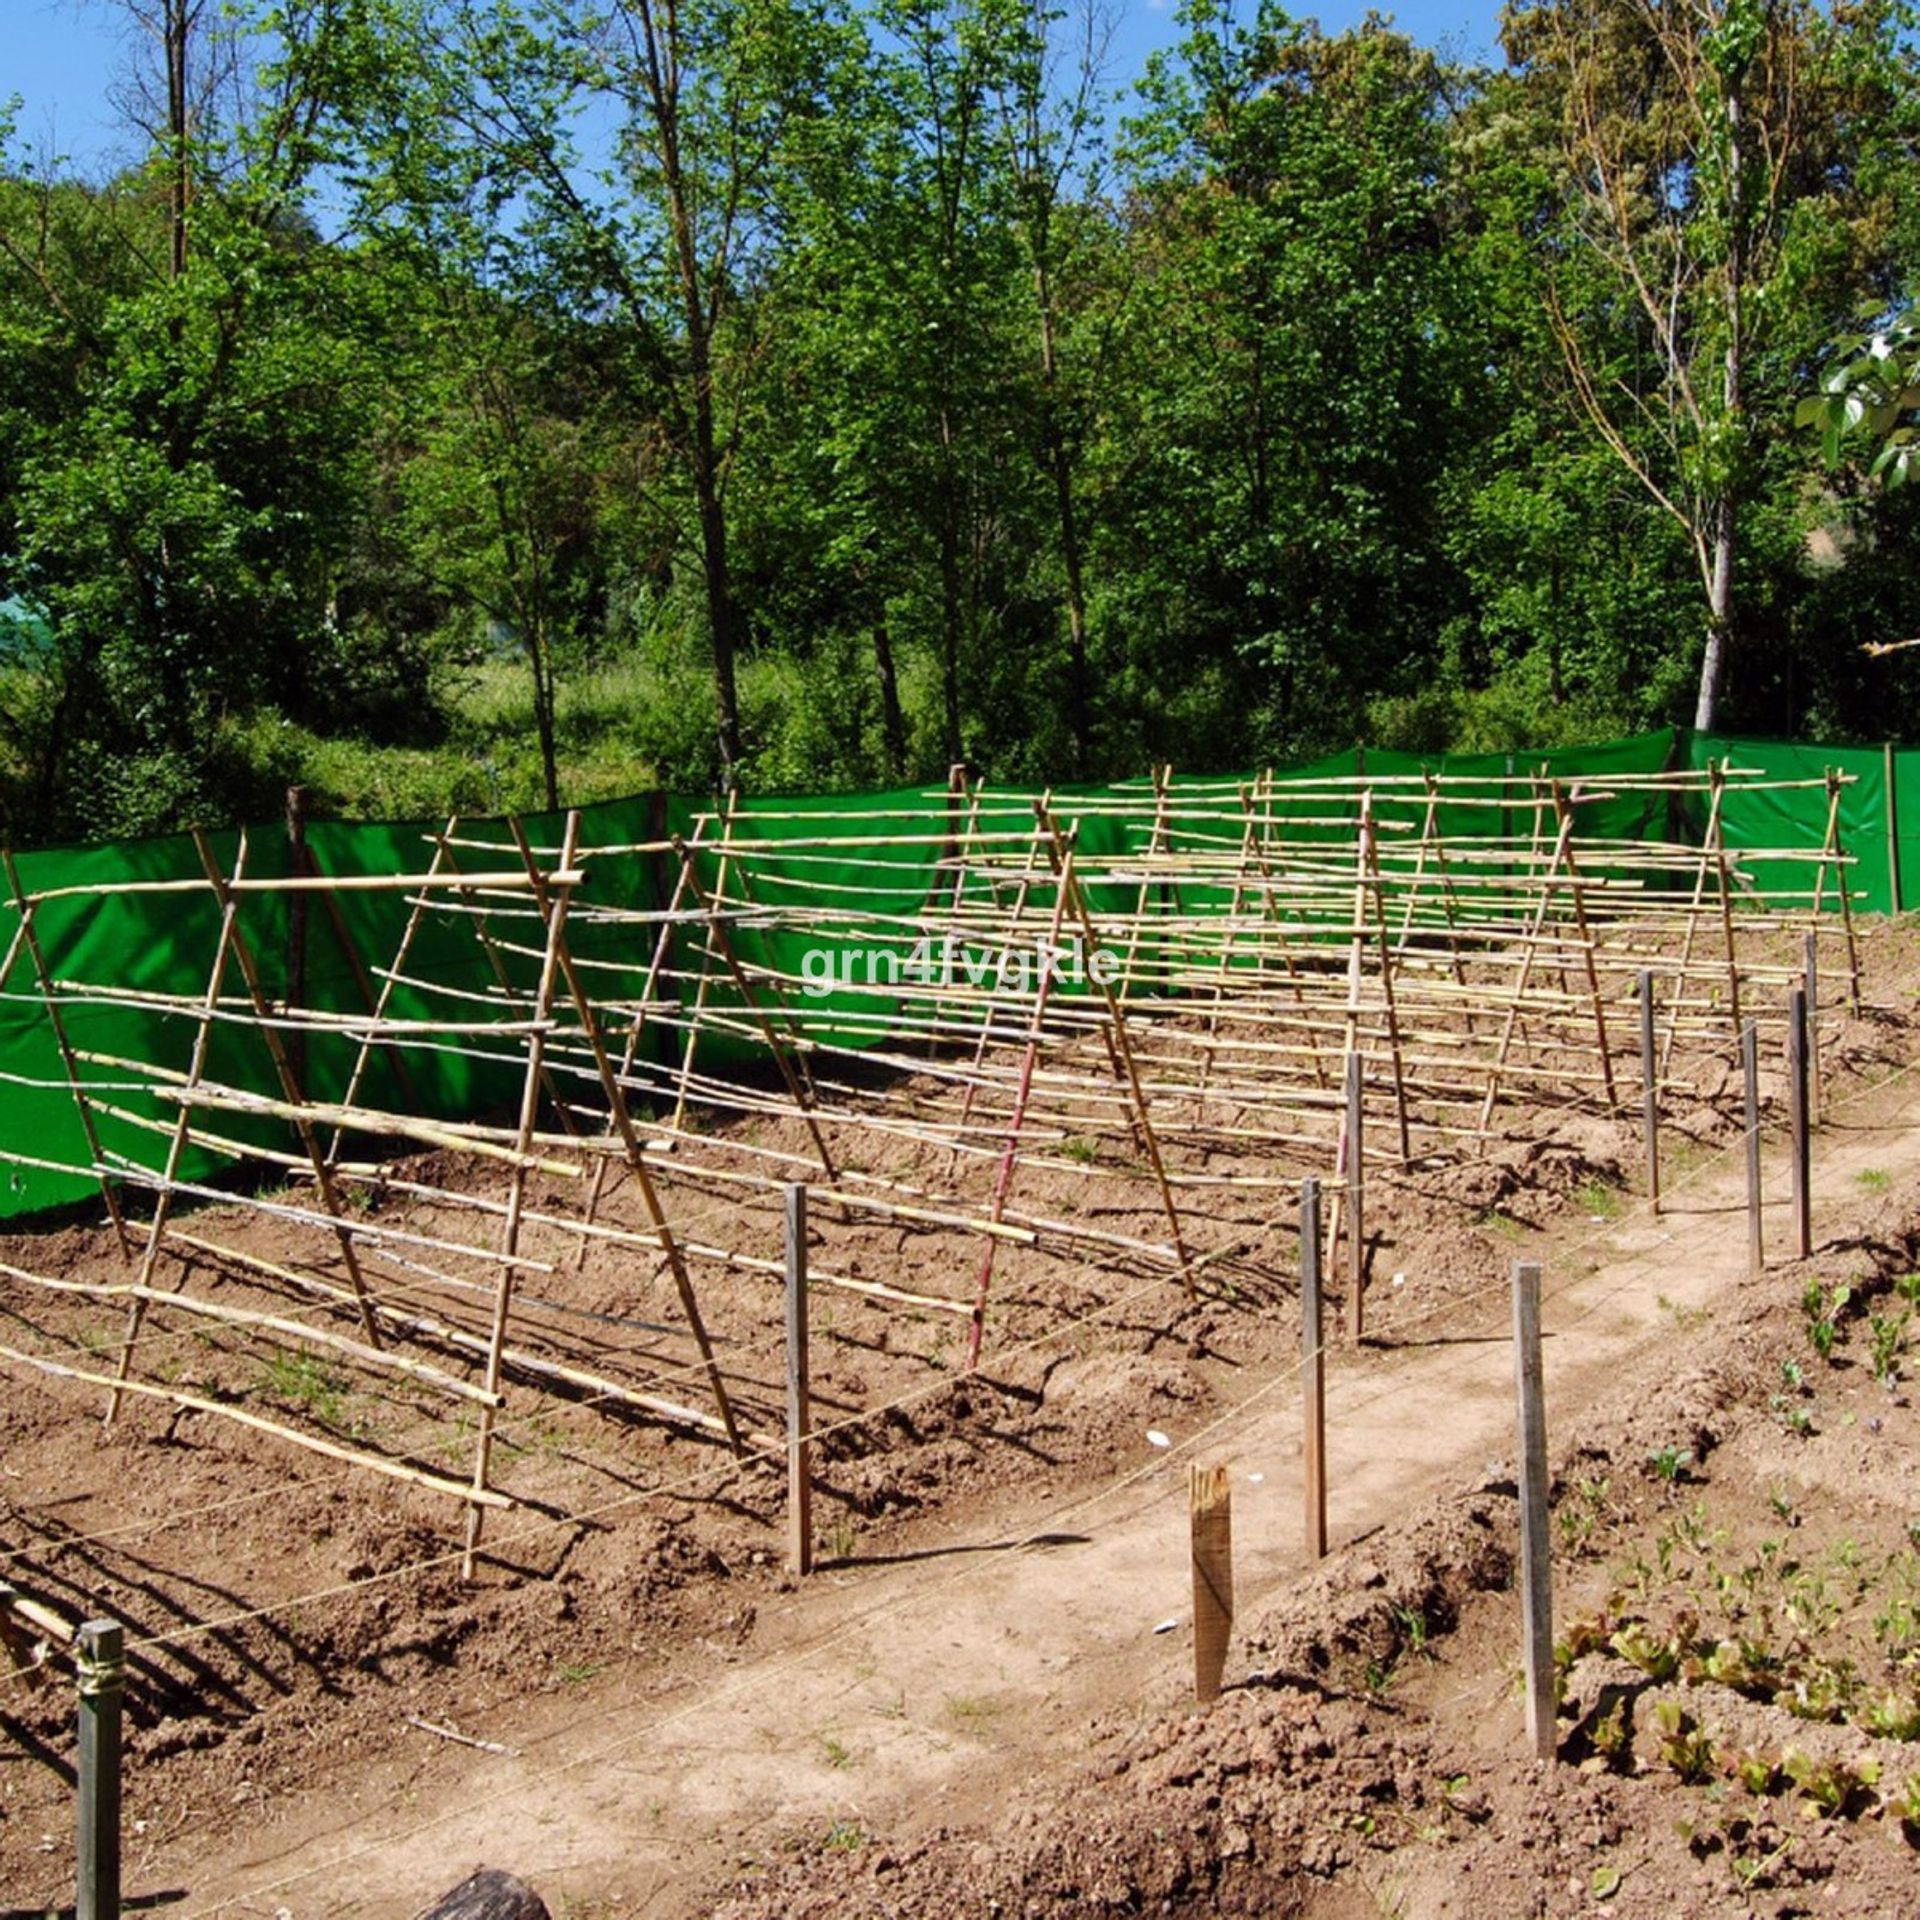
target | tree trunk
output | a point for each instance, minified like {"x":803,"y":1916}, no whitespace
{"x":720,"y":608}
{"x":1079,"y":704}
{"x":1725,"y":512}
{"x":176,"y":31}
{"x":951,"y":626}
{"x":540,"y":654}
{"x":705,"y":458}
{"x":1713,"y":661}
{"x":952,"y":589}
{"x":1059,"y":463}
{"x":893,"y":721}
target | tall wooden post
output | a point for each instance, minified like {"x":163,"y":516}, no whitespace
{"x":1797,"y":1087}
{"x":1811,"y":972}
{"x":1357,"y":1190}
{"x":100,"y":1654}
{"x":1649,"y":1090}
{"x":1313,"y":1377}
{"x":1209,"y":1499}
{"x":1536,"y":1540}
{"x":1750,"y":1073}
{"x":799,"y":1413}
{"x":298,"y":868}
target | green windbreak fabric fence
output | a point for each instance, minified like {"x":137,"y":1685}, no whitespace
{"x":1797,"y":818}
{"x":134,"y":945}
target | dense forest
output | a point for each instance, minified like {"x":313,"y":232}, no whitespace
{"x":485,"y":403}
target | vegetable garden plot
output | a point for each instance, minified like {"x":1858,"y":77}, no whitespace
{"x":991,"y":1032}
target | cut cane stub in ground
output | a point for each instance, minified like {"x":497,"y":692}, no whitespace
{"x":1155,"y":1438}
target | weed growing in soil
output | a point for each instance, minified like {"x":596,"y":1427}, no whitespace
{"x":1685,"y":1319}
{"x":966,"y":1711}
{"x":1413,"y":1623}
{"x":1669,"y":1463}
{"x":299,"y":1377}
{"x":1872,"y":1180}
{"x":1599,"y":1201}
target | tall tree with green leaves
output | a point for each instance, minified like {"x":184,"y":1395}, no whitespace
{"x":1728,"y":179}
{"x":1295,"y":373}
{"x":631,"y":157}
{"x":905,"y":275}
{"x":182,"y":433}
{"x":498,"y":476}
{"x":1051,"y":97}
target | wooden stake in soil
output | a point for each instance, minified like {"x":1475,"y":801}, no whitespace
{"x":561,"y":898}
{"x":1718,"y":830}
{"x":1797,"y":1088}
{"x":1536,"y":1541}
{"x":1649,"y":1091}
{"x":99,"y":1656}
{"x":1811,"y":971}
{"x":620,"y":1124}
{"x":1750,"y":1073}
{"x":290,"y":1086}
{"x":799,"y":1445}
{"x":17,"y":1651}
{"x":1313,"y":1378}
{"x":1210,"y":1496}
{"x":176,"y":1146}
{"x":1565,"y":807}
{"x":1010,"y":1151}
{"x":298,"y":867}
{"x":1357,"y":1191}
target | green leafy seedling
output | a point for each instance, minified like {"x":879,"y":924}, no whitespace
{"x":1830,"y":1787}
{"x":1894,"y":1716}
{"x":1684,"y":1744}
{"x":1659,"y":1659}
{"x":1889,"y":1345}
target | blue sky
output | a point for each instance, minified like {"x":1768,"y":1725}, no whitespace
{"x":59,"y":57}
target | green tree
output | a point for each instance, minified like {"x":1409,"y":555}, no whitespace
{"x":1051,"y":98}
{"x":179,"y":415}
{"x":630,"y":161}
{"x":1299,"y":359}
{"x":903,"y":372}
{"x":1728,"y":178}
{"x":495,"y":412}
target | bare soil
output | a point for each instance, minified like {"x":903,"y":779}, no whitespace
{"x":971,"y":1708}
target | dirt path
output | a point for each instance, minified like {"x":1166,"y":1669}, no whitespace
{"x":885,"y":1697}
